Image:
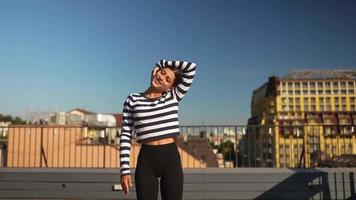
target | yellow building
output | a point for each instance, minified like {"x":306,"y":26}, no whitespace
{"x":302,"y":119}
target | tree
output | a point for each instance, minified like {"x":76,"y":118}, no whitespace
{"x":227,"y":149}
{"x":9,"y":118}
{"x":18,"y":121}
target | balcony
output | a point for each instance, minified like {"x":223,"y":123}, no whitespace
{"x":199,"y":146}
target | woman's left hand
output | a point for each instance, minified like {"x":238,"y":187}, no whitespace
{"x":126,"y":183}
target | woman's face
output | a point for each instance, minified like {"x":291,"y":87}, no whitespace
{"x":163,"y":79}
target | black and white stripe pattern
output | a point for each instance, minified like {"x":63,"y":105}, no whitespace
{"x":153,"y":119}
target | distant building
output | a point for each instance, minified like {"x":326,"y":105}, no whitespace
{"x":215,"y":138}
{"x":101,"y":127}
{"x":59,"y":118}
{"x":307,"y":114}
{"x":79,"y":116}
{"x":4,"y":124}
{"x":4,"y":131}
{"x":4,"y":128}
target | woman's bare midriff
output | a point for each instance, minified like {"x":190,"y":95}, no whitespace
{"x":161,"y":141}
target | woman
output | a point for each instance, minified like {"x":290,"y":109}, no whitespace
{"x":153,"y":116}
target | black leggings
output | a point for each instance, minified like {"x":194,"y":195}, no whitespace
{"x":159,"y":161}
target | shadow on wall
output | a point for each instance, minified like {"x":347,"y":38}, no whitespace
{"x":313,"y":184}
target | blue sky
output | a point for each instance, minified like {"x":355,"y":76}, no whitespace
{"x":92,"y":54}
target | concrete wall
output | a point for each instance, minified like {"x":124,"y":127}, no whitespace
{"x":209,"y":183}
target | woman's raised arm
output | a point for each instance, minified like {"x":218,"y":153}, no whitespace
{"x":187,"y":72}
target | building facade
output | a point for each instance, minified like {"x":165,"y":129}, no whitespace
{"x":302,"y":119}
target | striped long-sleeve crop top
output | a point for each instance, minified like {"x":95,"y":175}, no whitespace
{"x":153,"y":119}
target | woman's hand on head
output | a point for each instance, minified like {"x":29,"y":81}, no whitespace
{"x":126,"y":183}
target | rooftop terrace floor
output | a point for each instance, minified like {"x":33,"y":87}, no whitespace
{"x":208,"y":183}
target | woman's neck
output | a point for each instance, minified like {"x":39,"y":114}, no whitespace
{"x":152,"y":93}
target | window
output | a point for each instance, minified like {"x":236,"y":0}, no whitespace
{"x":320,"y":85}
{"x":297,"y":107}
{"x":327,"y":91}
{"x":343,"y":91}
{"x":321,"y":108}
{"x":351,"y":84}
{"x":281,"y":159}
{"x":343,"y":99}
{"x":312,"y":92}
{"x":306,"y":100}
{"x":281,"y":147}
{"x":297,"y":84}
{"x":336,"y":91}
{"x":336,"y":100}
{"x":284,"y":100}
{"x":320,"y":91}
{"x":321,"y":100}
{"x":287,"y":158}
{"x":311,"y":149}
{"x":305,"y":85}
{"x":343,"y":107}
{"x":290,"y":100}
{"x":328,"y":99}
{"x":327,"y":84}
{"x":312,"y":100}
{"x":306,"y":108}
{"x":312,"y":84}
{"x":336,"y":107}
{"x":328,"y":131}
{"x":313,"y":108}
{"x":352,"y":100}
{"x":335,"y":85}
{"x":290,"y":108}
{"x":343,"y":84}
{"x":328,"y":108}
{"x":284,"y":108}
{"x":348,"y":149}
{"x":297,"y":100}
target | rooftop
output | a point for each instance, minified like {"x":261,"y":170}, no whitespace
{"x":345,"y":74}
{"x":199,"y":184}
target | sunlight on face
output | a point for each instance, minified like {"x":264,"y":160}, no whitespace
{"x":163,"y":79}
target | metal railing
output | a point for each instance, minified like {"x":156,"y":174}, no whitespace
{"x":223,"y":146}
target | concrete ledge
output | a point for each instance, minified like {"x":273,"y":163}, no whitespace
{"x":188,"y":170}
{"x":209,"y":183}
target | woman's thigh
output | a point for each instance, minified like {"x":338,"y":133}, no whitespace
{"x":146,"y":181}
{"x":172,"y":180}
